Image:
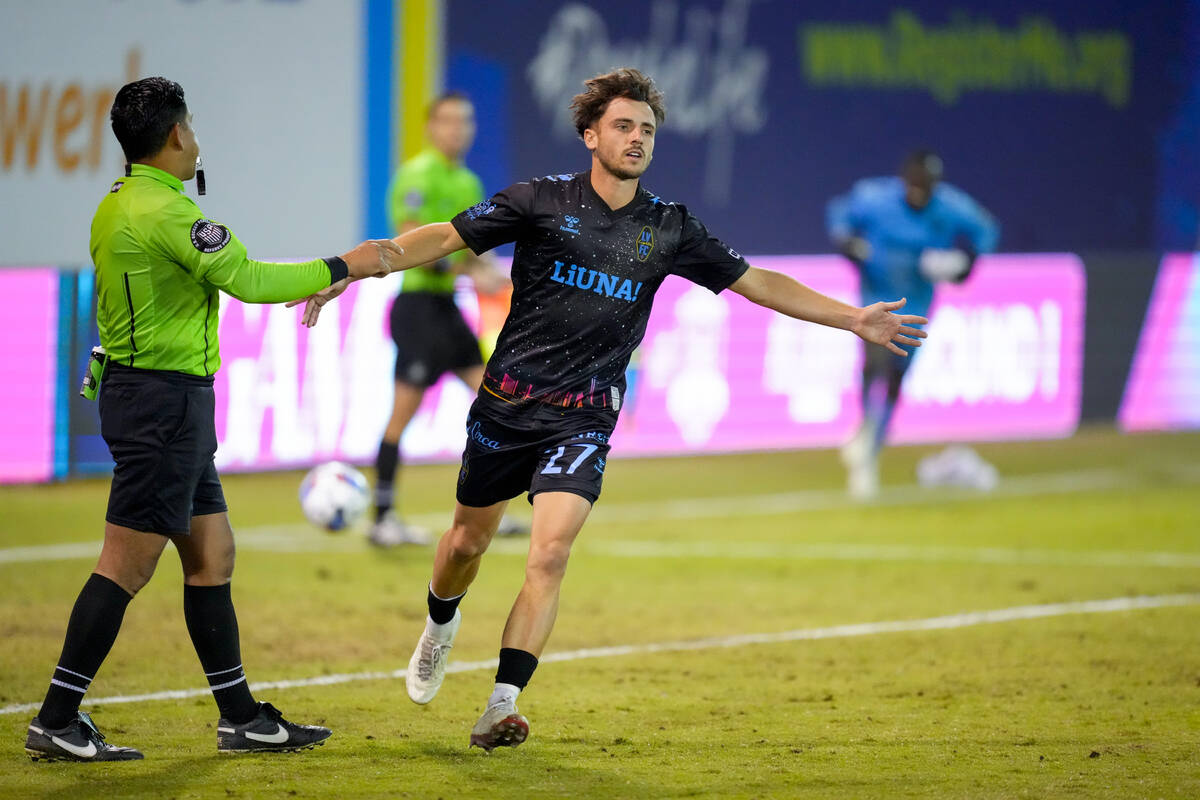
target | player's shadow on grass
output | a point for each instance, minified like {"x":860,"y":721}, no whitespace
{"x":557,"y":767}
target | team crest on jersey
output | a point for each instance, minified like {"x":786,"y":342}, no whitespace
{"x":208,"y":236}
{"x":645,"y":243}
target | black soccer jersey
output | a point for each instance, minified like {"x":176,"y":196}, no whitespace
{"x":584,"y":277}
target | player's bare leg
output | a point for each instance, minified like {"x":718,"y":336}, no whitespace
{"x":388,"y":530}
{"x":557,"y":520}
{"x":455,"y":565}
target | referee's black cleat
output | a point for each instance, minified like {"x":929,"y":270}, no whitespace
{"x":268,"y":732}
{"x":79,"y":740}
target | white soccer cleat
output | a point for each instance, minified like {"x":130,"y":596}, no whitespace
{"x":863,"y":482}
{"x":427,"y":667}
{"x":500,"y":726}
{"x":858,"y":449}
{"x":392,"y":532}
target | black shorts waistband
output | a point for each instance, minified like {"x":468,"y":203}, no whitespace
{"x":120,"y":373}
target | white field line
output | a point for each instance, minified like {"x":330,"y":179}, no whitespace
{"x":282,"y":537}
{"x":964,"y":620}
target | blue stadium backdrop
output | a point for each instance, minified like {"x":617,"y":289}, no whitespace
{"x":1053,"y":113}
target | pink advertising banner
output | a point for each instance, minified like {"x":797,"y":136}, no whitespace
{"x":1003,"y":360}
{"x":1163,"y":391}
{"x":29,"y":330}
{"x":714,"y":373}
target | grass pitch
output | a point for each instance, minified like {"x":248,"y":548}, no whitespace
{"x":677,"y":550}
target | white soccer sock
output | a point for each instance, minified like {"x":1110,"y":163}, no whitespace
{"x":503,"y":692}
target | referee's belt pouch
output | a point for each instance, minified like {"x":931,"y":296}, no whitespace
{"x":94,"y":375}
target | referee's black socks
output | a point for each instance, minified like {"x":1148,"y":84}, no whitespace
{"x":212,"y":624}
{"x":91,"y":631}
{"x":387,"y":462}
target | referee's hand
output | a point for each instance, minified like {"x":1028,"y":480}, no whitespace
{"x":373,"y":258}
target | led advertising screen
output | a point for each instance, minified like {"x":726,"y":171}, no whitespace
{"x":1163,"y":391}
{"x":714,"y":373}
{"x":28,"y":362}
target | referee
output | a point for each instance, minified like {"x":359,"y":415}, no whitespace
{"x":159,"y":265}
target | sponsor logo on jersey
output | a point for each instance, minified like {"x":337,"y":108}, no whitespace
{"x":645,"y":243}
{"x":208,"y":236}
{"x":478,"y":437}
{"x":594,"y":280}
{"x":116,"y":187}
{"x":480,"y":209}
{"x":571,"y":224}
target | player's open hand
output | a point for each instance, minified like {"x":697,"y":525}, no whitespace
{"x":374,"y":258}
{"x":876,"y":323}
{"x":314,"y":302}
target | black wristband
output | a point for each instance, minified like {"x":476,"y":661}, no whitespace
{"x":337,"y":269}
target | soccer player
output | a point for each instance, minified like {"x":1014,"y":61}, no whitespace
{"x":904,"y":234}
{"x":431,"y":336}
{"x":591,"y":250}
{"x":159,"y":265}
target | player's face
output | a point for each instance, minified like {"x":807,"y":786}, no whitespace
{"x":452,"y":127}
{"x":622,"y":140}
{"x":918,"y":186}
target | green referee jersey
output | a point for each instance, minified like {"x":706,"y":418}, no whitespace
{"x":159,"y":264}
{"x":431,"y":188}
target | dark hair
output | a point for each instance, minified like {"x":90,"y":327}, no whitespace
{"x":143,"y":113}
{"x":445,"y":97}
{"x":603,"y":89}
{"x":925,"y":160}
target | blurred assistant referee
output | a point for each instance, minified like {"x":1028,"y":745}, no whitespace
{"x":159,"y":265}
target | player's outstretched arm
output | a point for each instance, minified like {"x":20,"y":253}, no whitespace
{"x":874,"y":323}
{"x":418,"y":246}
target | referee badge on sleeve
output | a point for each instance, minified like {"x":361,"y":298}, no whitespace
{"x":208,"y":236}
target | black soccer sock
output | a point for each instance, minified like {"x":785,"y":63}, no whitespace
{"x":387,"y":463}
{"x":442,"y":611}
{"x":91,"y":631}
{"x":212,"y":624}
{"x":516,"y":667}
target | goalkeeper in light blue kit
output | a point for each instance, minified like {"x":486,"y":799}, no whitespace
{"x":904,"y":234}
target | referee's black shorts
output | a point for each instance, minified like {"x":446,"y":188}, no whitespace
{"x":431,"y":338}
{"x":161,"y":430}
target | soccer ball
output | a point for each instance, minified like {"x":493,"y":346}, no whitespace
{"x":334,"y":495}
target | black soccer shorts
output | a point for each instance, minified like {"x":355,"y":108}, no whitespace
{"x":552,"y":452}
{"x":431,"y":338}
{"x":161,"y":431}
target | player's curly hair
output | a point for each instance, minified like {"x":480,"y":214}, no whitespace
{"x":603,"y":89}
{"x":143,"y":114}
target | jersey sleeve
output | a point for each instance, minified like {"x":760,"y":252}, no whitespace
{"x":497,"y":220}
{"x":212,"y":254}
{"x":704,"y":259}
